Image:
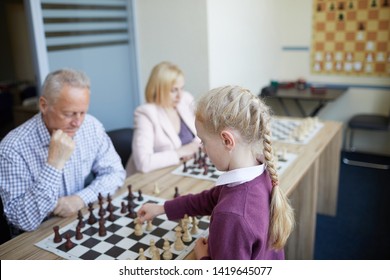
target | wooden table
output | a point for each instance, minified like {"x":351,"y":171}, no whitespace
{"x":321,"y":98}
{"x":311,"y":183}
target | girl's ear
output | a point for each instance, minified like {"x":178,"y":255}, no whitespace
{"x":228,"y":139}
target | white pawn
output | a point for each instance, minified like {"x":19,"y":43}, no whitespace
{"x":156,"y":254}
{"x":187,"y":235}
{"x":149,"y":226}
{"x":167,"y":255}
{"x":152,"y":247}
{"x":141,"y":254}
{"x":195,"y":228}
{"x":138,"y":228}
{"x":156,"y":189}
{"x":179,"y":245}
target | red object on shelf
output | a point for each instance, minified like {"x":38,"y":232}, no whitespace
{"x":318,"y":89}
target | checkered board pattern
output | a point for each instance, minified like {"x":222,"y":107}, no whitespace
{"x":195,"y":171}
{"x":351,"y":37}
{"x":120,"y":242}
{"x":283,"y":160}
{"x":295,"y":131}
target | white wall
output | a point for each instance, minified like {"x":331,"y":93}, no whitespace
{"x":241,"y":42}
{"x":176,"y":31}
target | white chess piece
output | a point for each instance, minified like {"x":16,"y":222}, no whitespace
{"x":167,"y":255}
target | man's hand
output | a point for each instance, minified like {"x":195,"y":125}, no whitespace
{"x":60,"y":149}
{"x":68,"y":205}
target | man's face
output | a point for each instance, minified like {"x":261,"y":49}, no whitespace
{"x":67,"y":112}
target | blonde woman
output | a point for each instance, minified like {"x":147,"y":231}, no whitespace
{"x":164,"y":127}
{"x":251,"y":217}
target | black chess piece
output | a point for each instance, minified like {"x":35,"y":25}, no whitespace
{"x":57,"y":235}
{"x":91,"y":218}
{"x":81,"y":223}
{"x":176,"y":192}
{"x":68,"y":244}
{"x":123,"y":207}
{"x":79,"y":234}
{"x":102,"y":228}
{"x":140,"y":197}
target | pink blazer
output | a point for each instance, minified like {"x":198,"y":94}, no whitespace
{"x":155,"y":139}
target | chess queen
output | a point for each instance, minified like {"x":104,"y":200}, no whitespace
{"x":251,"y":216}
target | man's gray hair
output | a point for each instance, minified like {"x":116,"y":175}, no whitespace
{"x":56,"y":80}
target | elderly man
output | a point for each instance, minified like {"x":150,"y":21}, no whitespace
{"x":44,"y":162}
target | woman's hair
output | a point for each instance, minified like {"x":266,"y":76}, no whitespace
{"x":160,"y":83}
{"x":238,"y":109}
{"x":56,"y":80}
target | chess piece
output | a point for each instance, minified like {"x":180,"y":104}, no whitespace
{"x":68,"y":244}
{"x":156,"y":254}
{"x":187,"y":235}
{"x":79,"y":234}
{"x":123,"y":207}
{"x":102,"y":228}
{"x":130,"y":195}
{"x":132,"y":214}
{"x":110,"y":207}
{"x":185,"y":169}
{"x":81,"y":223}
{"x":102,"y":211}
{"x":167,"y":255}
{"x":195,"y":228}
{"x":137,"y":227}
{"x":140,"y":197}
{"x":179,"y":245}
{"x":111,"y":217}
{"x":57,"y":236}
{"x":141,"y":254}
{"x":92,"y":218}
{"x":152,"y":247}
{"x":176,"y":192}
{"x":156,"y":189}
{"x":149,"y":226}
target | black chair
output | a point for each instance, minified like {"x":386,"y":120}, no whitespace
{"x":122,"y":139}
{"x":5,"y":233}
{"x":368,"y":122}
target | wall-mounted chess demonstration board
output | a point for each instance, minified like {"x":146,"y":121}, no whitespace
{"x":351,"y":37}
{"x":120,"y":241}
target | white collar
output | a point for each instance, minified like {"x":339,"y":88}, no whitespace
{"x":238,"y":176}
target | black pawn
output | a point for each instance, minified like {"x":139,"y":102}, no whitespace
{"x":130,"y":195}
{"x":185,"y":169}
{"x":140,"y":197}
{"x":57,"y":235}
{"x":123,"y":207}
{"x":102,"y":228}
{"x":132,"y":214}
{"x":68,"y":244}
{"x":81,"y":223}
{"x":176,"y":192}
{"x":92,"y":218}
{"x":79,"y":235}
{"x":111,"y":217}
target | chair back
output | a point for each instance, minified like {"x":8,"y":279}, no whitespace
{"x":122,"y":141}
{"x":5,"y":233}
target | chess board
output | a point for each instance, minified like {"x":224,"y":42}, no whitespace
{"x":120,"y":241}
{"x":283,"y":161}
{"x":351,"y":37}
{"x":295,"y":131}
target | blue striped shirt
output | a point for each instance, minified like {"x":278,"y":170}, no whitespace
{"x":30,"y":187}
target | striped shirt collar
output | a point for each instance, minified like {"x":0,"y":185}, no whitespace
{"x":238,"y":176}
